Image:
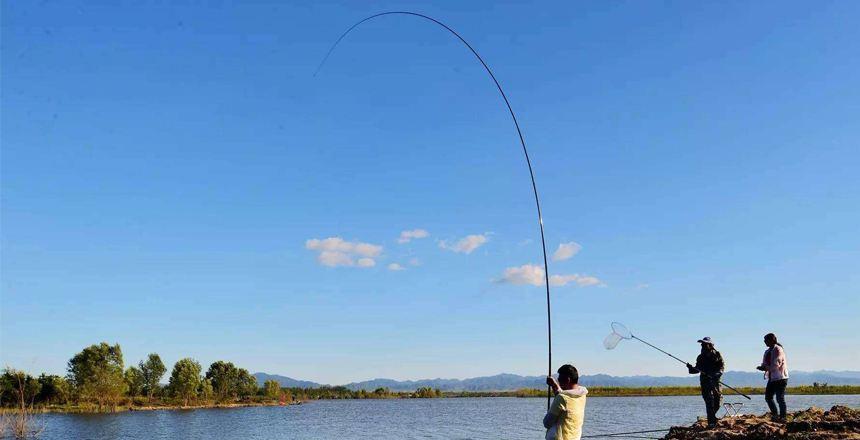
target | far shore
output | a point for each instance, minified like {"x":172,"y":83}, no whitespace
{"x":522,"y":393}
{"x":88,"y":409}
{"x":598,"y":391}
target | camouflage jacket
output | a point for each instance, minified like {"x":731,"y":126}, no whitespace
{"x":710,"y":366}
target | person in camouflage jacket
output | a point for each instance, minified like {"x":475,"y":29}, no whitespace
{"x":709,"y":366}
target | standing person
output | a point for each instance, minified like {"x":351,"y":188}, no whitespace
{"x":566,"y":413}
{"x":709,"y":366}
{"x":776,"y":371}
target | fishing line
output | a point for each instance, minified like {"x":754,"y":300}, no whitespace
{"x":620,"y":332}
{"x":522,"y":143}
{"x":629,"y":434}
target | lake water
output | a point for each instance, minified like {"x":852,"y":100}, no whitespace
{"x":479,"y":418}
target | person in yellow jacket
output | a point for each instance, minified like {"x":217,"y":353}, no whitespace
{"x":566,"y":413}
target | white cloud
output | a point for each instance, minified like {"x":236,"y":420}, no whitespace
{"x":534,"y":275}
{"x":329,"y":244}
{"x":395,"y":266}
{"x":525,"y":274}
{"x":579,"y":280}
{"x":566,"y":251}
{"x":340,"y":245}
{"x":466,"y":244}
{"x":335,"y":251}
{"x":334,"y":259}
{"x":366,"y":262}
{"x":367,"y":249}
{"x":407,"y":236}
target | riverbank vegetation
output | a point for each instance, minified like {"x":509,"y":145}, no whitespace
{"x":816,"y":389}
{"x":98,"y":380}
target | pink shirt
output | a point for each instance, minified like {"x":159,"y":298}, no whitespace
{"x":774,"y":362}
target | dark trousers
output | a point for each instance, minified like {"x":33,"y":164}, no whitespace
{"x":776,"y":388}
{"x":713,"y":398}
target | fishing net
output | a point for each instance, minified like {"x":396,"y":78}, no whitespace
{"x":611,"y":341}
{"x":619,"y":333}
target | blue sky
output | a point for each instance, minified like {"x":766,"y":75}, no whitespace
{"x":164,"y":168}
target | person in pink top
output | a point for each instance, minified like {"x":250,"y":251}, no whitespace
{"x":776,"y":371}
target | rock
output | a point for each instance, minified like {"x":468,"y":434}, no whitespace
{"x":840,"y":423}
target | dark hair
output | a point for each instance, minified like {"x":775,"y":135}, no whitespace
{"x":569,"y":371}
{"x":772,"y":337}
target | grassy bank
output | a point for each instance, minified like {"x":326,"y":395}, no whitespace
{"x":660,"y":391}
{"x":71,"y":408}
{"x":310,"y":394}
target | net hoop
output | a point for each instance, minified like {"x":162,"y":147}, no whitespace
{"x":621,"y":330}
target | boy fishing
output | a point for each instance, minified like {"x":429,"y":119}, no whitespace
{"x":566,"y":413}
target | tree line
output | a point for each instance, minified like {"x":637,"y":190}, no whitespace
{"x":97,"y":378}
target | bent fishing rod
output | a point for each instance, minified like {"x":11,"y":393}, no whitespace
{"x":522,"y":143}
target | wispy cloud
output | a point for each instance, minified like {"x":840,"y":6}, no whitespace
{"x":335,"y":251}
{"x":579,"y":280}
{"x":407,"y":236}
{"x":525,"y":274}
{"x":533,"y":274}
{"x":334,"y":259}
{"x":414,"y":262}
{"x":395,"y":267}
{"x":566,"y":251}
{"x":466,"y":244}
{"x":338,"y":244}
{"x":366,"y":262}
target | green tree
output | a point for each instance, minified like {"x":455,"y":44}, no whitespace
{"x":18,"y":388}
{"x":97,"y":373}
{"x":152,"y":371}
{"x":273,"y":388}
{"x":247,"y":384}
{"x":55,"y":390}
{"x":24,"y":388}
{"x":185,"y":379}
{"x":206,"y":391}
{"x":225,"y":379}
{"x":426,"y":392}
{"x":7,"y":392}
{"x":381,"y":392}
{"x":133,"y":381}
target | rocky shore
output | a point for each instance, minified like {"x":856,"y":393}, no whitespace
{"x":839,"y":422}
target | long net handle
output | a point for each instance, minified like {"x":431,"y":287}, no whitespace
{"x":659,"y":349}
{"x":685,"y":363}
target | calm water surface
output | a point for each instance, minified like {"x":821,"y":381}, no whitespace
{"x":481,"y":418}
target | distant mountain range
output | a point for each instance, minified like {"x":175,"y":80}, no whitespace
{"x":285,"y":381}
{"x":504,"y":382}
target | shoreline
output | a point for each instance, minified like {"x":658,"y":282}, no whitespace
{"x":598,"y":391}
{"x":213,"y":406}
{"x":602,"y":392}
{"x":76,"y":409}
{"x":837,"y":423}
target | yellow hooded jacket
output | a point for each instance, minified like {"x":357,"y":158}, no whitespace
{"x":568,"y":408}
